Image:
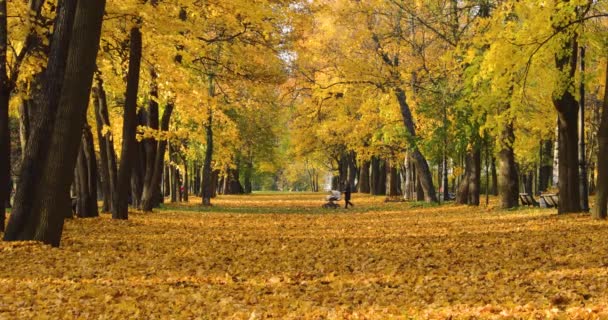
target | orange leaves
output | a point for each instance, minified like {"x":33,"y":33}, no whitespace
{"x":282,"y":256}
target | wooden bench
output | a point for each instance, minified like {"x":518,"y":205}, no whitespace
{"x":549,"y":200}
{"x":527,"y":200}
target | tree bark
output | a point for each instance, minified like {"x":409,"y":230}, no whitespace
{"x":378,"y":177}
{"x":422,"y":167}
{"x":42,"y":197}
{"x":546,"y":165}
{"x":567,"y":108}
{"x":494,"y":189}
{"x":582,"y":159}
{"x":392,"y":180}
{"x":207,"y":181}
{"x":363,"y":185}
{"x":86,"y":173}
{"x":106,"y":185}
{"x":508,"y":181}
{"x":462,"y":196}
{"x":129,"y":143}
{"x":27,"y":221}
{"x":186,"y":182}
{"x":475,"y":177}
{"x":151,"y":190}
{"x":151,"y":144}
{"x":352,"y":170}
{"x":5,"y":147}
{"x":600,"y":209}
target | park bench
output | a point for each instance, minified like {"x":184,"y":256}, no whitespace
{"x":527,"y":200}
{"x":549,"y":200}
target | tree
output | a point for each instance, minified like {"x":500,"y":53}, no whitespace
{"x":129,"y":142}
{"x":42,"y":196}
{"x":600,"y":210}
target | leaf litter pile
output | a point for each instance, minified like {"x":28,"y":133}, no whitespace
{"x":282,"y":256}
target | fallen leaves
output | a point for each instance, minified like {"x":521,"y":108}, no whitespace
{"x":374,"y":262}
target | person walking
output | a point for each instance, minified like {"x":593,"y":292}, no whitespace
{"x":347,"y":195}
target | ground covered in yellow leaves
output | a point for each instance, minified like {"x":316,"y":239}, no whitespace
{"x":281,"y":256}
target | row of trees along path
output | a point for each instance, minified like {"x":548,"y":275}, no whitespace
{"x":398,"y":98}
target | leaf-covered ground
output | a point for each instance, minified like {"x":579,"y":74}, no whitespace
{"x":281,"y":256}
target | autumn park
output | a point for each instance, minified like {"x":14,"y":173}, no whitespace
{"x":303,"y":159}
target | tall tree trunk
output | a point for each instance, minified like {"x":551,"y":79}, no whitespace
{"x":462,"y":196}
{"x":410,"y":180}
{"x":86,"y":173}
{"x":582,"y":161}
{"x":151,"y":190}
{"x":27,"y":222}
{"x":363,"y":184}
{"x":508,"y":181}
{"x":475,"y":177}
{"x":352,"y":170}
{"x":186,"y":185}
{"x":42,"y":197}
{"x":567,"y":108}
{"x":600,"y":209}
{"x":173,"y":180}
{"x":378,"y":177}
{"x":546,"y":165}
{"x":422,"y":167}
{"x":151,"y":144}
{"x":129,"y":143}
{"x":104,"y":168}
{"x":392,"y":180}
{"x":5,"y":143}
{"x":248,"y":170}
{"x":207,"y":181}
{"x":494,"y":190}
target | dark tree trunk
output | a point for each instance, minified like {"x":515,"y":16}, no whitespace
{"x":600,"y":210}
{"x":462,"y":195}
{"x":352,"y":170}
{"x":419,"y":189}
{"x":186,"y":185}
{"x":207,"y":179}
{"x":28,"y":222}
{"x":174,"y":184}
{"x":86,"y":173}
{"x":129,"y":143}
{"x":150,"y":144}
{"x":494,"y":189}
{"x":582,"y":158}
{"x":107,"y":149}
{"x":152,"y":191}
{"x":422,"y":167}
{"x":5,"y":143}
{"x":546,"y":165}
{"x":378,"y":177}
{"x":392,"y":180}
{"x":232,"y":183}
{"x":42,"y":197}
{"x":139,"y":165}
{"x":167,"y":178}
{"x":363,"y":185}
{"x":567,"y":108}
{"x":475,"y":177}
{"x":248,"y":170}
{"x":215,"y":181}
{"x":508,"y":183}
{"x":104,"y":167}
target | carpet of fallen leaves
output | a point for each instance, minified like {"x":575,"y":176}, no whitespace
{"x":281,"y":256}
